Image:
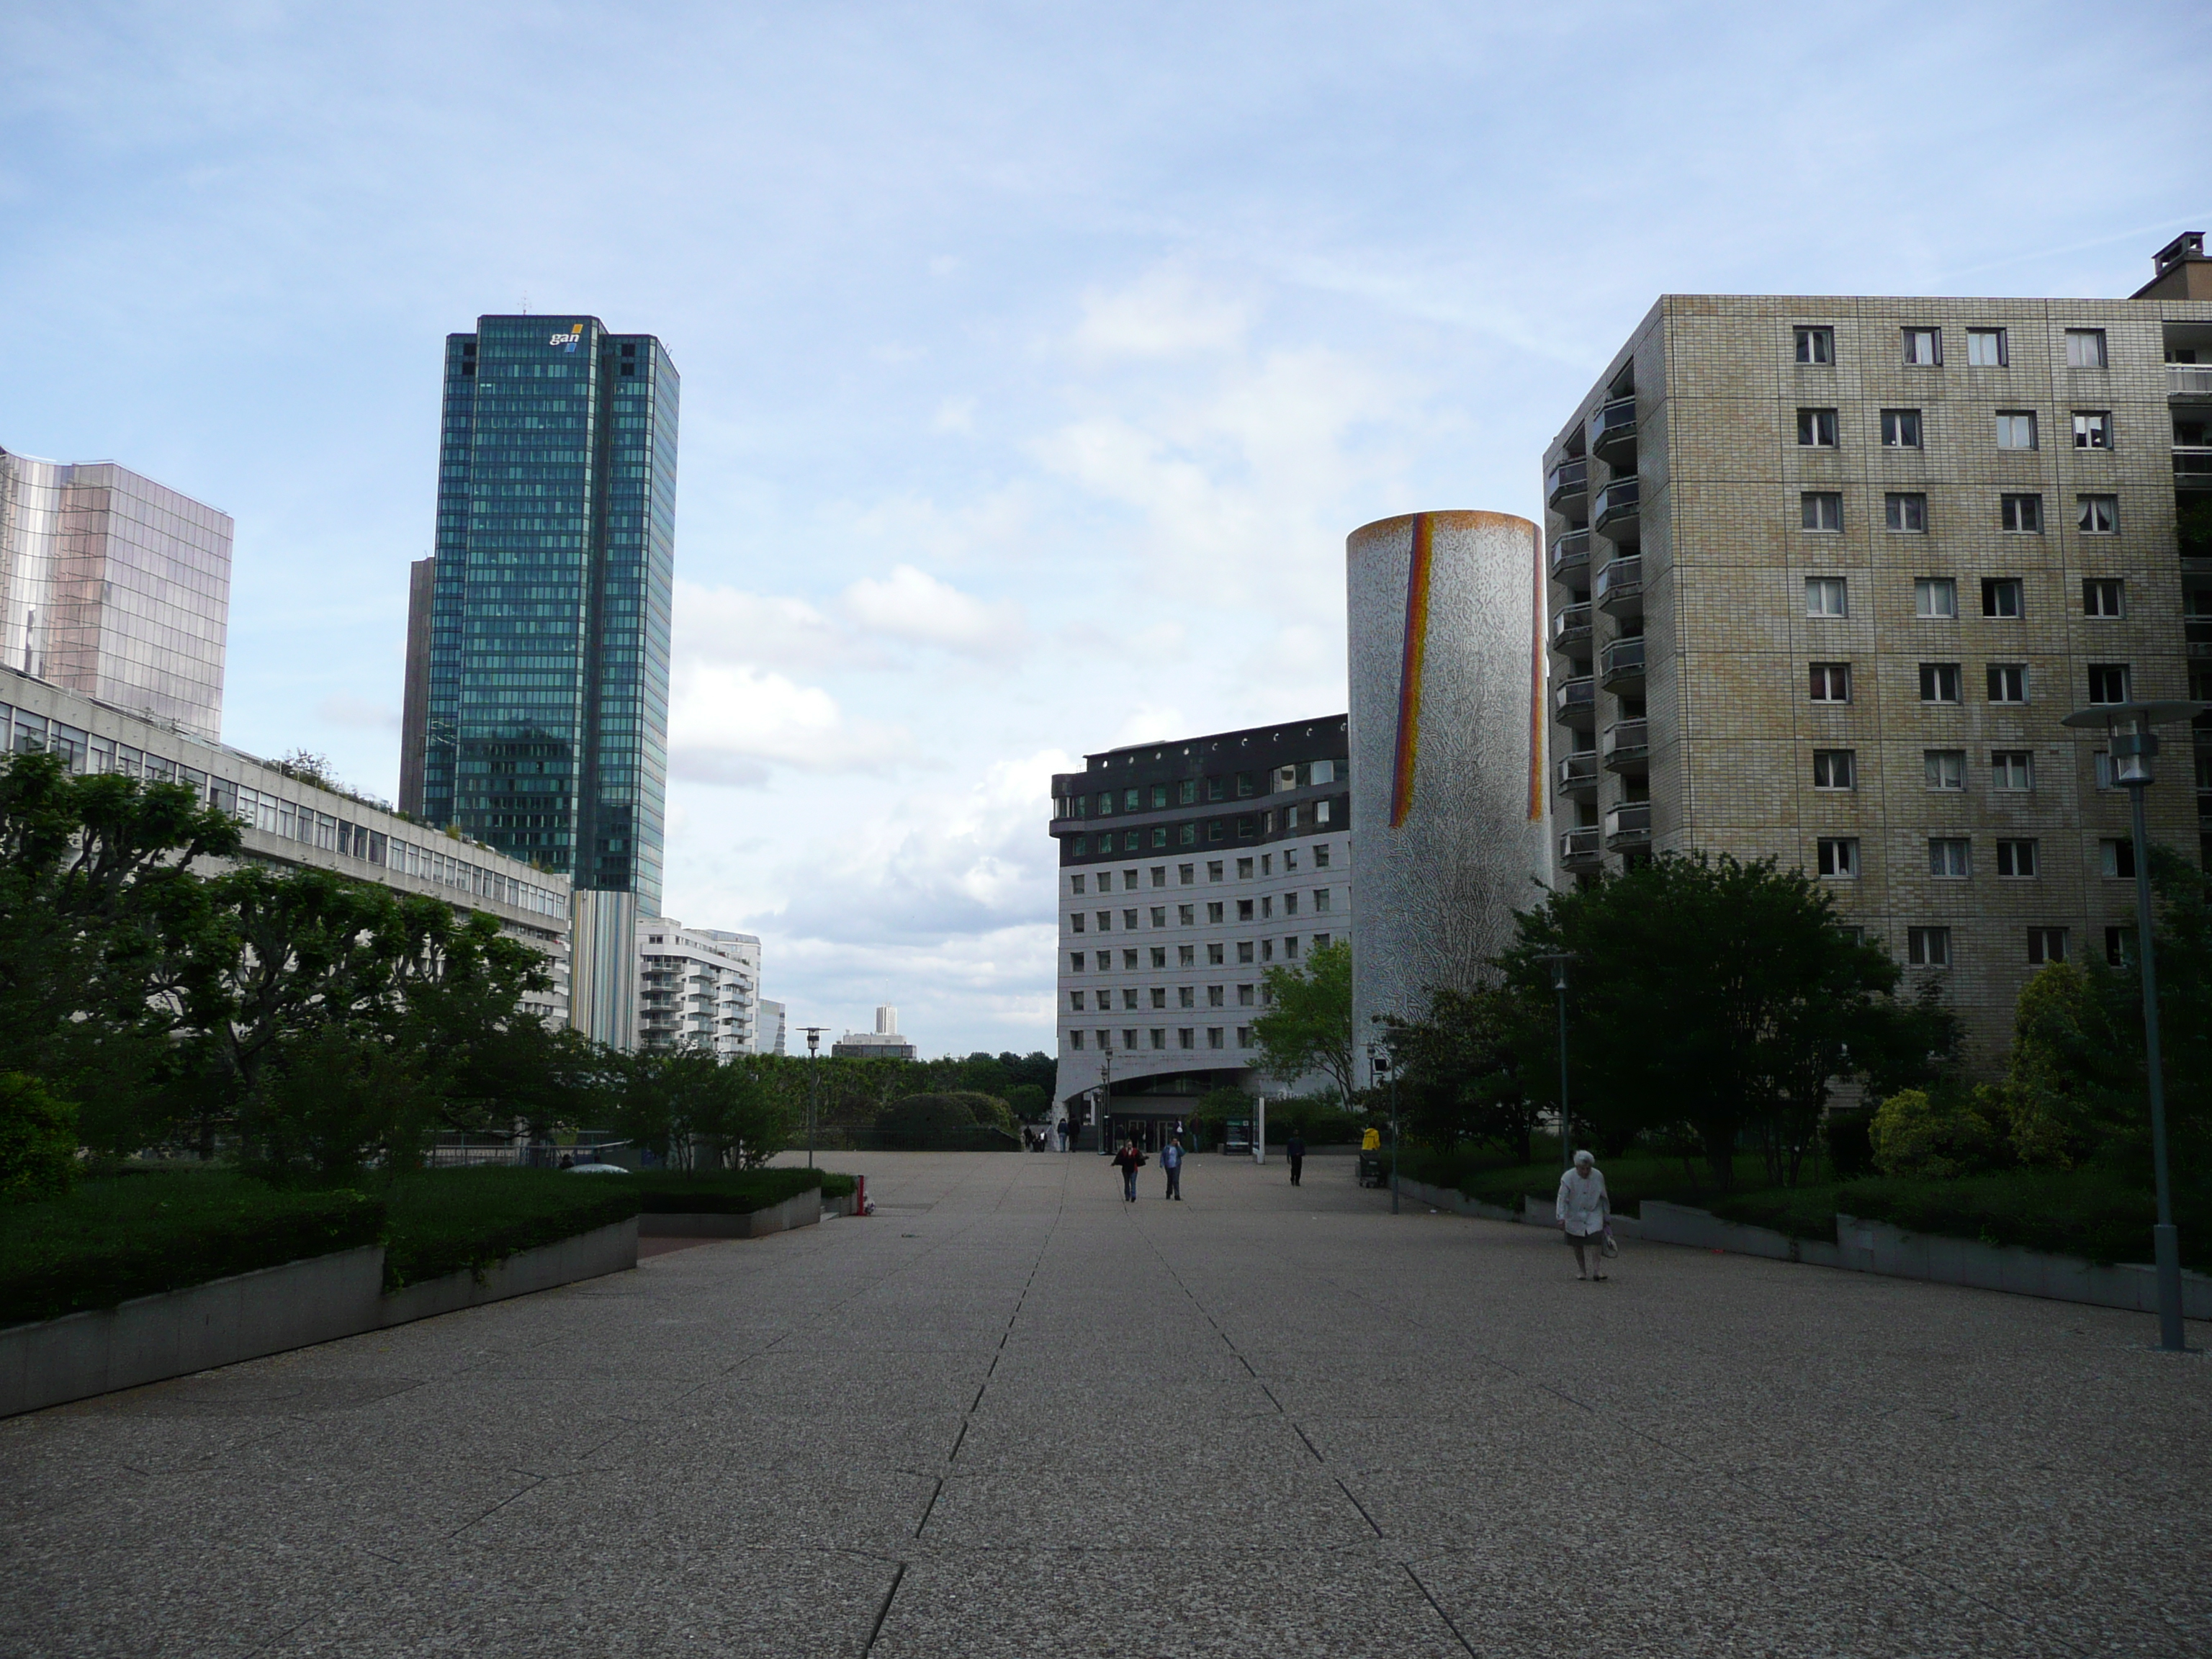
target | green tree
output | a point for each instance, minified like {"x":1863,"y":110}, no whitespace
{"x":1464,"y":1068}
{"x":38,"y":1141}
{"x":701,"y":1112}
{"x":1308,"y":1024}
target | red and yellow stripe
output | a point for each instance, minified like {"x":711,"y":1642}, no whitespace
{"x":1409,"y":674}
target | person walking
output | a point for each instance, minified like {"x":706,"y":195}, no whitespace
{"x":1171,"y":1161}
{"x":1129,"y":1160}
{"x":1585,"y":1211}
{"x":1294,"y":1149}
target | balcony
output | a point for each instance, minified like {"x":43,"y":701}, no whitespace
{"x":1612,"y":431}
{"x":1571,"y":627}
{"x":1574,"y":702}
{"x":1620,"y":589}
{"x":1568,"y":482}
{"x":1616,"y":505}
{"x":1621,"y":666}
{"x":2197,"y":630}
{"x":1578,"y":775}
{"x":1569,"y":553}
{"x":2188,"y":379}
{"x":2193,"y":466}
{"x":1582,"y":849}
{"x":1628,"y":748}
{"x":1628,"y":828}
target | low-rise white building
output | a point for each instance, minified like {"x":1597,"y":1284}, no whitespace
{"x":696,"y":987}
{"x":885,"y":1043}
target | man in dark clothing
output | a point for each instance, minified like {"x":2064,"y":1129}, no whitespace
{"x":1171,"y":1161}
{"x":1129,"y":1160}
{"x":1295,"y":1149}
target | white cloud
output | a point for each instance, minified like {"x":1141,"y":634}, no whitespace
{"x":913,"y":606}
{"x":1163,"y":314}
{"x":342,"y":709}
{"x":725,"y":720}
{"x":722,"y":624}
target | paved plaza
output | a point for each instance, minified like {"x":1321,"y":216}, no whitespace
{"x":1011,"y":1414}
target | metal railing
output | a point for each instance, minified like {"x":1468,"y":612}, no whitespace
{"x":1623,"y":659}
{"x":1567,"y":480}
{"x":1629,"y":824}
{"x":1626,"y":742}
{"x":1570,"y":626}
{"x":1620,"y":580}
{"x":1578,"y":771}
{"x":1570,"y":552}
{"x":1582,"y":845}
{"x":2188,"y":379}
{"x":1614,"y":425}
{"x":1576,"y":698}
{"x":1618,"y":502}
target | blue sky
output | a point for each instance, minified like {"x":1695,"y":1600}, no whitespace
{"x":1036,"y":359}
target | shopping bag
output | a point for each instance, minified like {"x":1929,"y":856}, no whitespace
{"x":1606,"y":1246}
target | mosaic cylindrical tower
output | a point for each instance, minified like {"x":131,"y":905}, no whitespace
{"x":1447,"y":798}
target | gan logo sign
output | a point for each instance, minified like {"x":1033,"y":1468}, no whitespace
{"x":571,"y":340}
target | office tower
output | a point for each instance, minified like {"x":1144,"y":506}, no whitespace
{"x":696,"y":987}
{"x":544,"y":726}
{"x":1825,"y":574}
{"x":115,"y":587}
{"x":1187,"y":868}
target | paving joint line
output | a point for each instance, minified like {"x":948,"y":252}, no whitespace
{"x":885,"y":1612}
{"x":1439,"y":1608}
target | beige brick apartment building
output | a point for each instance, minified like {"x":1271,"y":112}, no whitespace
{"x":1826,"y":573}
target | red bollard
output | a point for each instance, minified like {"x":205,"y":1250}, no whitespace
{"x":859,"y":1195}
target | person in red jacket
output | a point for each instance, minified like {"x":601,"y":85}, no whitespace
{"x":1128,"y":1161}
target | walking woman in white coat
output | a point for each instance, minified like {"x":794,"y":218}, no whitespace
{"x":1583,"y":1210}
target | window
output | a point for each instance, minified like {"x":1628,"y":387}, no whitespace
{"x":1900,"y":428}
{"x":1214,"y":996}
{"x":1132,"y":801}
{"x":1186,"y":792}
{"x":1075,"y":1001}
{"x":2012,"y":771}
{"x":2108,"y":682}
{"x":1075,"y":920}
{"x":1816,"y":428}
{"x":1947,"y":857}
{"x":1935,"y":598}
{"x":1185,"y":874}
{"x":1105,"y":881}
{"x":1939,"y":682}
{"x":1213,"y":1036}
{"x":1985,"y":348}
{"x":1290,"y":944}
{"x":1820,"y":509}
{"x":1906,"y":512}
{"x":1243,"y":996}
{"x":1816,"y":345}
{"x":1267,"y":907}
{"x":1074,"y":885}
{"x":1321,"y":856}
{"x":1290,"y":905}
{"x":2085,"y":347}
{"x":2119,"y":946}
{"x":1075,"y":1039}
{"x":1186,"y":836}
{"x":1129,"y":998}
{"x":1244,"y":909}
{"x":1321,"y":941}
{"x":2103,"y":596}
{"x":1832,"y":682}
{"x":1159,"y":996}
{"x":2118,"y":858}
{"x":1839,"y":856}
{"x":2092,"y":428}
{"x":1214,"y":869}
{"x":1159,"y":915}
{"x":2023,"y":514}
{"x":1928,"y":947}
{"x":1946,"y":769}
{"x":1267,"y":949}
{"x":2098,"y":515}
{"x":1213,"y":911}
{"x":1923,"y":346}
{"x":1159,"y":1037}
{"x":1244,"y":950}
{"x":1290,"y":859}
{"x":1321,"y":812}
{"x":1213,"y":956}
{"x":1244,"y":1036}
{"x":1128,"y":921}
{"x":2003,"y":597}
{"x":1129,"y":881}
{"x":1243,"y":869}
{"x":1186,"y":955}
{"x":2015,"y":428}
{"x":1834,"y":768}
{"x":2045,"y":945}
{"x":1075,"y":962}
{"x":2007,"y":682}
{"x":1321,"y":899}
{"x":2016,"y":859}
{"x":1825,"y":595}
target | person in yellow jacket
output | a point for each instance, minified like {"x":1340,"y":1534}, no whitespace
{"x":1372,"y":1140}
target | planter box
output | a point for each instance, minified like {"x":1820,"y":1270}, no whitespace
{"x":1678,"y":1223}
{"x":1451,"y":1199}
{"x":1878,"y":1248}
{"x":803,"y":1211}
{"x":179,"y":1331}
{"x":603,"y":1250}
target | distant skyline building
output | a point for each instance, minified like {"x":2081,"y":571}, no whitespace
{"x":115,"y":587}
{"x":542,"y":724}
{"x":767,"y":1027}
{"x":885,"y":1043}
{"x":697,"y":987}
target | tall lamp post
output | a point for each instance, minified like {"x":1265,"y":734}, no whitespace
{"x":1559,"y":959}
{"x":1378,"y":1062}
{"x":813,"y":1093}
{"x":1101,"y":1105}
{"x":2133,"y":744}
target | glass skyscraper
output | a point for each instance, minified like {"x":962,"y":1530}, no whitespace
{"x":542,"y":729}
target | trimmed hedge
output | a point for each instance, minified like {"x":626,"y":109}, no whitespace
{"x":138,"y":1235}
{"x":450,"y":1221}
{"x":836,"y":1186}
{"x":730,"y":1193}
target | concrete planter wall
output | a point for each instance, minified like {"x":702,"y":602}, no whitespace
{"x":603,"y":1250}
{"x":804,"y":1211}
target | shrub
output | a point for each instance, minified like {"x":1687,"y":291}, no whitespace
{"x":38,"y":1141}
{"x":1850,"y":1136}
{"x":449,"y":1221}
{"x":1916,"y":1133}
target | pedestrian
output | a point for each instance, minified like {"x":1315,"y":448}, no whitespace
{"x":1585,"y":1214}
{"x":1295,"y":1149}
{"x":1129,"y":1160}
{"x":1171,"y":1161}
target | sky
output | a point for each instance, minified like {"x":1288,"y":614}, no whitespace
{"x":1036,"y":359}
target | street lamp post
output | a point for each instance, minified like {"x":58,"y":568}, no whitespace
{"x":813,"y":1090}
{"x":2132,"y":750}
{"x":1559,"y":959}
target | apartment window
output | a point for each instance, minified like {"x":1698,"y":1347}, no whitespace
{"x":1321,"y":857}
{"x":1213,"y":911}
{"x":1267,"y":949}
{"x":1159,"y":955}
{"x":1186,"y":996}
{"x":1946,"y":769}
{"x":1906,"y":512}
{"x":1825,"y":596}
{"x":1290,"y":859}
{"x":1832,"y":682}
{"x":1928,"y":947}
{"x":1321,"y":941}
{"x":1947,"y":857}
{"x":1128,"y":961}
{"x":2116,"y":859}
{"x":1243,"y":869}
{"x":2092,"y":428}
{"x":1129,"y":881}
{"x":1214,"y":996}
{"x":1129,"y":921}
{"x":1187,"y":835}
{"x":1213,"y":956}
{"x":2023,"y":514}
{"x":1244,"y":1036}
{"x":1186,"y":955}
{"x":1075,"y":920}
{"x":1290,"y":905}
{"x":1243,"y":996}
{"x":1985,"y":348}
{"x":2003,"y":597}
{"x":2103,"y":596}
{"x":1075,"y":962}
{"x":1244,"y":909}
{"x":1291,"y":945}
{"x":1816,"y":428}
{"x":1214,"y":869}
{"x":1935,"y":598}
{"x":1923,"y":346}
{"x":1160,"y":836}
{"x":1820,"y":509}
{"x":2016,"y":859}
{"x":2015,"y":428}
{"x":1105,"y":881}
{"x":2108,"y":682}
{"x":1186,"y":1038}
{"x":1132,"y":800}
{"x":1321,"y":812}
{"x":1244,"y":950}
{"x":1074,"y":885}
{"x":2098,"y":515}
{"x":1321,"y":899}
{"x":2012,"y":771}
{"x":1129,"y":999}
{"x":1075,"y":1001}
{"x":2119,"y":946}
{"x":1839,"y":856}
{"x":1075,"y":1039}
{"x":1816,"y":345}
{"x":1213,"y":1036}
{"x":1185,"y":874}
{"x":1159,"y":915}
{"x":2085,"y":347}
{"x":1939,"y":682}
{"x":1900,"y":428}
{"x":1159,"y":1037}
{"x":2007,"y":682}
{"x":1186,"y":792}
{"x":2045,"y":945}
{"x":1834,"y":768}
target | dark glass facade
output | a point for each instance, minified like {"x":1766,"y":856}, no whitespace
{"x":545,"y":727}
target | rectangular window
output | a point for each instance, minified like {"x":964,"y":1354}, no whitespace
{"x":1075,"y":884}
{"x":1159,"y":1038}
{"x":1321,"y":857}
{"x":2003,"y":597}
{"x":1244,"y":909}
{"x":1290,"y":859}
{"x":1128,"y":962}
{"x":1075,"y":1039}
{"x":1243,"y":996}
{"x":1816,"y":345}
{"x":1244,"y":1036}
{"x":1075,"y":962}
{"x":2092,"y":428}
{"x":1213,"y":956}
{"x":2045,"y":945}
{"x":1830,"y":682}
{"x":1159,"y":915}
{"x":2012,"y":771}
{"x":1923,"y":347}
{"x":1160,"y":836}
{"x":1186,"y":955}
{"x":1939,"y":682}
{"x":2103,"y":596}
{"x":1075,"y":1001}
{"x":2108,"y":682}
{"x":1267,"y":907}
{"x":2116,"y":858}
{"x":1186,"y":915}
{"x":1129,"y":920}
{"x":1834,"y":768}
{"x":1186,"y":1038}
{"x":2016,"y":859}
{"x":1839,"y":856}
{"x":1947,"y":857}
{"x":1213,"y":911}
{"x":1291,"y":945}
{"x":1816,"y":428}
{"x":1159,"y":955}
{"x":1129,"y":999}
{"x":1985,"y":348}
{"x":2007,"y":682}
{"x":1820,"y":509}
{"x":1243,"y":869}
{"x":1214,"y":869}
{"x":1185,"y":875}
{"x":1244,"y":950}
{"x":1321,"y":941}
{"x":1131,"y":799}
{"x":2022,"y":514}
{"x":2098,"y":515}
{"x":1928,"y":947}
{"x":1214,"y":996}
{"x":1321,"y":813}
{"x":1075,"y":920}
{"x":2015,"y":428}
{"x":1900,"y":428}
{"x":2119,"y":946}
{"x":1290,"y":905}
{"x":1935,"y":598}
{"x":1905,"y":512}
{"x":1321,"y":899}
{"x":2085,"y":347}
{"x":1945,"y":768}
{"x":1105,"y":881}
{"x":1213,"y":1036}
{"x":1186,"y":835}
{"x":1159,"y":996}
{"x":1825,"y":596}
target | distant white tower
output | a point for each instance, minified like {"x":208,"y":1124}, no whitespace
{"x":886,"y":1021}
